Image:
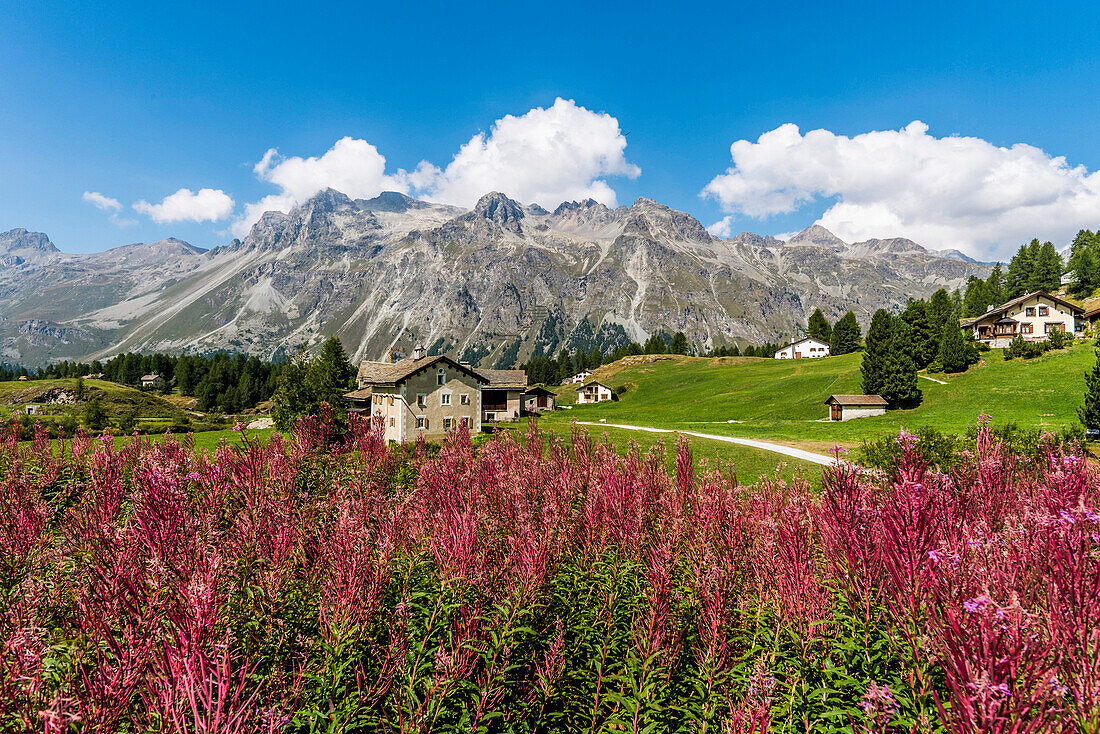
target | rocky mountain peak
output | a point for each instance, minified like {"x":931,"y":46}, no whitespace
{"x":329,"y":200}
{"x":817,"y":235}
{"x":21,"y":239}
{"x":671,"y":222}
{"x":571,"y":207}
{"x":392,"y":201}
{"x":496,"y":207}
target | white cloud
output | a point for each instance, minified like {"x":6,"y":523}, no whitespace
{"x":204,"y":205}
{"x":545,"y":156}
{"x":959,"y":192}
{"x":100,"y":201}
{"x":354,"y":167}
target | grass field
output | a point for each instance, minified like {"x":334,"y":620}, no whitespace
{"x":116,"y":399}
{"x":747,"y":463}
{"x":783,"y":400}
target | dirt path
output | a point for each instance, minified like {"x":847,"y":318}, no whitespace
{"x":794,"y":453}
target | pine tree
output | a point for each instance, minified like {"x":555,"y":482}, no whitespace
{"x":899,"y":376}
{"x":1047,"y":273}
{"x":818,"y":327}
{"x":977,"y":299}
{"x":1089,"y":413}
{"x":655,"y":345}
{"x":679,"y":343}
{"x":995,"y":286}
{"x":876,"y":352}
{"x":1019,"y":272}
{"x":845,"y":337}
{"x":922,"y":343}
{"x":292,"y":394}
{"x":940,"y":309}
{"x":953,"y":348}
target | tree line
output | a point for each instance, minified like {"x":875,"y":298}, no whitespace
{"x":222,"y":382}
{"x":926,"y":335}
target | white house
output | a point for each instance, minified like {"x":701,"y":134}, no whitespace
{"x":594,"y":392}
{"x":577,"y":379}
{"x":803,"y":349}
{"x":847,"y":407}
{"x":1032,"y":317}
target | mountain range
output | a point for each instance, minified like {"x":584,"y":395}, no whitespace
{"x":495,"y":284}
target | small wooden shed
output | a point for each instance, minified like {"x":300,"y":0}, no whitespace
{"x":847,"y":407}
{"x":538,"y":399}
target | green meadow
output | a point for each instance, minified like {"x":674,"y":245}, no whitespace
{"x":783,"y":400}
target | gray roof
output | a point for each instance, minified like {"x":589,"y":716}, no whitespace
{"x":856,"y":400}
{"x":387,"y":373}
{"x":504,"y":379}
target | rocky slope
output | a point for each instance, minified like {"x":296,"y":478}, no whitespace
{"x":499,"y":282}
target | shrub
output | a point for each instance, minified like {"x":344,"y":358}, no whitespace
{"x":1024,"y":349}
{"x":327,"y":582}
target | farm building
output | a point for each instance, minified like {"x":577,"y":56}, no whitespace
{"x":1032,"y":317}
{"x":847,"y":407}
{"x":538,"y":399}
{"x":502,"y":398}
{"x":803,"y":349}
{"x":149,"y":382}
{"x":594,"y":392}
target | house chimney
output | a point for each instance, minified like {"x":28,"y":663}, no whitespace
{"x":419,"y":352}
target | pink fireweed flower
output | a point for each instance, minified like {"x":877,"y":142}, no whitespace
{"x":239,"y":426}
{"x":1056,"y":686}
{"x":878,"y":701}
{"x":905,"y":439}
{"x":977,"y":604}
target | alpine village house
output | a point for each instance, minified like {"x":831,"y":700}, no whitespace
{"x":428,"y":396}
{"x":1032,"y":316}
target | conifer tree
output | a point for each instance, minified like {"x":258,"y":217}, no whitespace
{"x":818,"y":327}
{"x":1047,"y":272}
{"x":846,"y":335}
{"x":899,"y":378}
{"x":940,"y":309}
{"x":1089,"y":413}
{"x":953,"y":353}
{"x":679,"y":343}
{"x":995,"y":286}
{"x":1019,"y":272}
{"x":922,"y":343}
{"x":977,"y":298}
{"x":876,"y":352}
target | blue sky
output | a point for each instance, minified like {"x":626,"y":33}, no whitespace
{"x":135,"y":101}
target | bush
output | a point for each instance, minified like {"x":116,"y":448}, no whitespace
{"x":1059,"y":339}
{"x":1022,"y":348}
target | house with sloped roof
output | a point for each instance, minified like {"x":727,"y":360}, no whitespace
{"x":538,"y":399}
{"x":847,"y":407}
{"x":807,"y":348}
{"x":419,"y":396}
{"x":1032,"y":317}
{"x":502,"y":397}
{"x":594,"y":392}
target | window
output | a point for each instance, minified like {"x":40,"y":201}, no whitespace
{"x":1029,"y":311}
{"x":391,"y":399}
{"x":464,"y":399}
{"x":490,"y":417}
{"x":1047,"y":328}
{"x":464,"y":421}
{"x":392,"y":423}
{"x":441,"y":376}
{"x":1043,"y":310}
{"x":448,"y":424}
{"x":421,"y":422}
{"x":1027,"y":328}
{"x":421,"y":400}
{"x":445,"y":398}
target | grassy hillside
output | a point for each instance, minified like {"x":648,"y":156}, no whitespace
{"x":783,"y":400}
{"x":116,"y":399}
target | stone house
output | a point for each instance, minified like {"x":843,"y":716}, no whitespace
{"x":847,"y":407}
{"x":502,"y":397}
{"x":421,"y":396}
{"x":149,"y":382}
{"x":594,"y":392}
{"x":804,"y":349}
{"x":1032,"y":317}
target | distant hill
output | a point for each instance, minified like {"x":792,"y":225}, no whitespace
{"x":499,"y":280}
{"x":780,"y":399}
